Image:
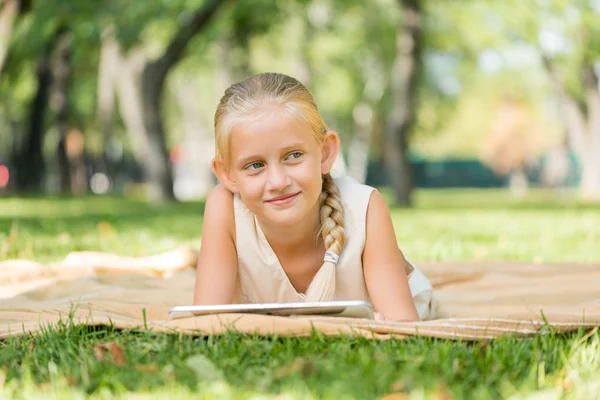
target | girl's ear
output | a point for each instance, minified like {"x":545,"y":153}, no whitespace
{"x":330,"y":148}
{"x":224,"y":174}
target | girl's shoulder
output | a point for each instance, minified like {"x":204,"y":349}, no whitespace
{"x":220,"y":195}
{"x":355,"y":199}
{"x":353,"y":191}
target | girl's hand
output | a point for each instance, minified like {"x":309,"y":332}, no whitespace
{"x":379,"y":317}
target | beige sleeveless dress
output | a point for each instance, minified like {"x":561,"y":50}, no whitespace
{"x":263,"y":280}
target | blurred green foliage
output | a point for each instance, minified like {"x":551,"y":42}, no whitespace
{"x":476,"y":53}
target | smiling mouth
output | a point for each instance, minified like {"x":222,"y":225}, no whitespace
{"x":282,"y":199}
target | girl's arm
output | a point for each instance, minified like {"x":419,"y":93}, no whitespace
{"x":216,"y":273}
{"x":383,"y":265}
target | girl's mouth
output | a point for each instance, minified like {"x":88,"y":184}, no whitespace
{"x":284,"y":199}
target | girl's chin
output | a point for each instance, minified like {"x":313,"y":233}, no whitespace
{"x":287,"y":217}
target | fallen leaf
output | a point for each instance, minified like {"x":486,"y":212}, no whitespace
{"x":71,"y":380}
{"x":484,"y":344}
{"x":117,"y":353}
{"x":99,"y":351}
{"x":115,"y":350}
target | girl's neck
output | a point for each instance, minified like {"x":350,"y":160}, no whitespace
{"x":297,"y":238}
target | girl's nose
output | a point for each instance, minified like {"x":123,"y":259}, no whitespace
{"x":278,"y":178}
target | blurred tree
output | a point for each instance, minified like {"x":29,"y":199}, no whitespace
{"x":8,"y":14}
{"x":145,"y":100}
{"x":9,"y":11}
{"x":61,"y":70}
{"x":88,"y":19}
{"x":368,"y":58}
{"x":389,"y":83}
{"x":105,"y":101}
{"x":29,"y":158}
{"x":36,"y":77}
{"x":582,"y":121}
{"x":405,"y":76}
{"x":566,"y":35}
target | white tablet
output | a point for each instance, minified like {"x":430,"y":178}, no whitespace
{"x":348,"y":309}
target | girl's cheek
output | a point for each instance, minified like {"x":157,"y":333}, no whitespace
{"x":255,"y":185}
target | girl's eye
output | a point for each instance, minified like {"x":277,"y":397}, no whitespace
{"x":294,"y":155}
{"x":254,"y":166}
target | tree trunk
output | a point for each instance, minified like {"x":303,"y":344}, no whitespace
{"x":405,"y":76}
{"x":157,"y":166}
{"x":8,"y":14}
{"x":358,"y":154}
{"x":30,"y":161}
{"x":155,"y":160}
{"x":224,"y":72}
{"x":518,"y":182}
{"x":61,"y":69}
{"x":194,"y":177}
{"x":107,"y":79}
{"x":127,"y":89}
{"x":583,"y":135}
{"x":590,"y":175}
{"x":556,"y":169}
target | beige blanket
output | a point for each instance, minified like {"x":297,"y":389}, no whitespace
{"x":475,"y":300}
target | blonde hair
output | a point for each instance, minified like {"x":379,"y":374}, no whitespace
{"x":237,"y":105}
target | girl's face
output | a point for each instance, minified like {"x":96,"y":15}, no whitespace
{"x":276,"y":165}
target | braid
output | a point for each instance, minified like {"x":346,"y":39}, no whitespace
{"x":322,"y":288}
{"x":332,"y":216}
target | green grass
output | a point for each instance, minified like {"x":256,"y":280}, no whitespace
{"x":244,"y":365}
{"x":445,"y":225}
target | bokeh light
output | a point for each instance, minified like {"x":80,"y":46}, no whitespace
{"x":4,"y":176}
{"x":99,"y":183}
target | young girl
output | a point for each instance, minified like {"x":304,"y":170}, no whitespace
{"x":279,"y":228}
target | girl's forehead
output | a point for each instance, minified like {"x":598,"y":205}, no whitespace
{"x":268,"y":127}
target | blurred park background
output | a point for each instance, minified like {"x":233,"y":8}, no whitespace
{"x":117,"y":96}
